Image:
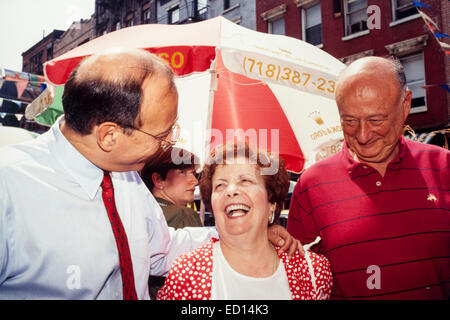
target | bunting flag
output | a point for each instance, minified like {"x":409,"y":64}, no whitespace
{"x":19,"y":89}
{"x":4,"y":101}
{"x":21,"y":86}
{"x":420,"y":4}
{"x":443,"y":86}
{"x":12,"y":75}
{"x":440,"y":35}
{"x":432,"y":25}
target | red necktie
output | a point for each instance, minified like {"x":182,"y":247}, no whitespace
{"x":126,"y":265}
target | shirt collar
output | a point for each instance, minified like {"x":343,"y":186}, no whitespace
{"x":163,"y":202}
{"x":351,"y":164}
{"x":84,"y":172}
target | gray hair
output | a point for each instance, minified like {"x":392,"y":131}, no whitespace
{"x":399,"y":72}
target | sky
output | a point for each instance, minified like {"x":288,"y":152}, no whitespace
{"x":23,"y":23}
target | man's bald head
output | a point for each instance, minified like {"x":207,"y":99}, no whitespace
{"x":376,"y":67}
{"x":119,"y":65}
{"x":108,"y":87}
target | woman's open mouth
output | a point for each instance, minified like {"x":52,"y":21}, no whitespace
{"x":237,"y":210}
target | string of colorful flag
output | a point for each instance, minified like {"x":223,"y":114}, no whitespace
{"x":443,"y":86}
{"x":22,"y":81}
{"x":18,"y":116}
{"x":433,"y":26}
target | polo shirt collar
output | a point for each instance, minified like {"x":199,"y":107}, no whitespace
{"x":351,"y":164}
{"x":84,"y":172}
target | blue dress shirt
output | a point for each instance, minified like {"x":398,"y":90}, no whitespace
{"x":56,"y":240}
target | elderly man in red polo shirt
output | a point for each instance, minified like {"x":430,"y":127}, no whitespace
{"x":382,"y":205}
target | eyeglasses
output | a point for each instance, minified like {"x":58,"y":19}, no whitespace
{"x":166,"y":140}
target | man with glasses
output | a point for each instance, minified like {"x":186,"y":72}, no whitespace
{"x":76,"y":220}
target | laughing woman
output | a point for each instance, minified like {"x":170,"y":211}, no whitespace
{"x":246,"y":191}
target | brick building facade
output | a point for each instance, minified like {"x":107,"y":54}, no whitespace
{"x":78,"y":33}
{"x":42,"y":51}
{"x":352,"y":29}
{"x":112,"y":15}
{"x":241,"y":12}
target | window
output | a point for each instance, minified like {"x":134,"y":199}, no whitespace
{"x":39,"y":63}
{"x":201,"y":6}
{"x":174,"y":15}
{"x":49,"y":48}
{"x":163,"y":2}
{"x":277,"y":26}
{"x":355,"y":16}
{"x":226,"y":4}
{"x":101,"y":8}
{"x":402,"y":9}
{"x":336,"y":6}
{"x":202,"y":9}
{"x":117,"y":25}
{"x":146,"y":16}
{"x":275,"y":19}
{"x":130,"y":20}
{"x":312,"y":25}
{"x":415,"y":80}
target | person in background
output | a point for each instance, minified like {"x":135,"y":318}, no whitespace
{"x":173,"y":185}
{"x":245,"y":201}
{"x":381,"y":206}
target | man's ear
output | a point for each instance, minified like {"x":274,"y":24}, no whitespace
{"x":107,"y":134}
{"x":406,"y":104}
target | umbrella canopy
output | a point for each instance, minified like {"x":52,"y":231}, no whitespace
{"x":274,"y":90}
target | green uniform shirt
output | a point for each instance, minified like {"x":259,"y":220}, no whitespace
{"x":179,"y":216}
{"x":176,"y":217}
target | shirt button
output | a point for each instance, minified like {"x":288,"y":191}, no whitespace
{"x":378,"y":183}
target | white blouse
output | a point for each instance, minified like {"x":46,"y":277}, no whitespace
{"x":227,"y":284}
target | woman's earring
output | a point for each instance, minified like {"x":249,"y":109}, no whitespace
{"x":272,"y":215}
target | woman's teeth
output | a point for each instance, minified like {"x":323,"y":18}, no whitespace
{"x":237,"y":210}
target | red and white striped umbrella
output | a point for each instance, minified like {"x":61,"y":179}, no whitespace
{"x":232,"y":81}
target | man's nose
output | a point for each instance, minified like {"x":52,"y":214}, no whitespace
{"x":363,"y":134}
